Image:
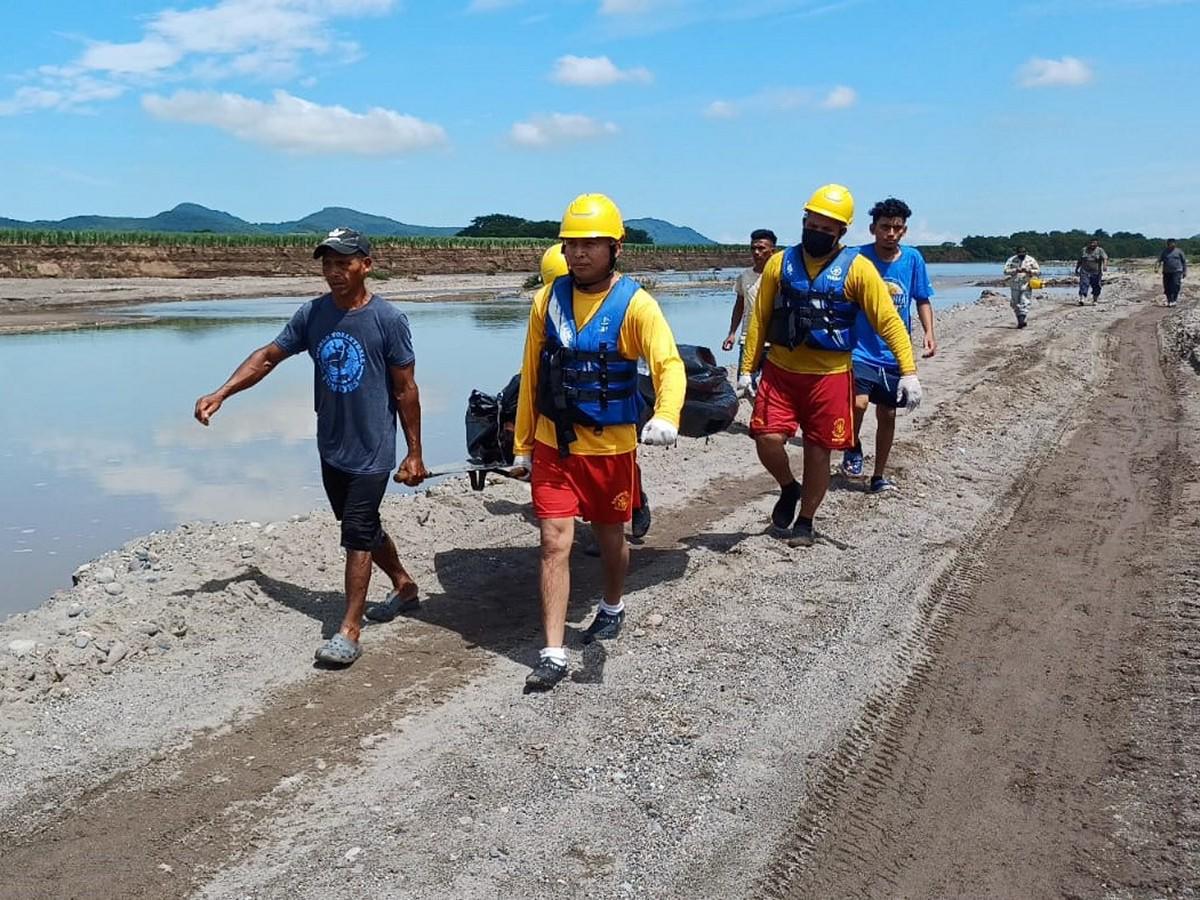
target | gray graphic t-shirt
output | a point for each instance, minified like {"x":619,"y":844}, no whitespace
{"x":352,"y":386}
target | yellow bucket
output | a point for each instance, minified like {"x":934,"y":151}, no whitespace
{"x":1036,"y":284}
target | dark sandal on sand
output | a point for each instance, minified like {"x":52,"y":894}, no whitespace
{"x":339,"y":650}
{"x":396,"y":604}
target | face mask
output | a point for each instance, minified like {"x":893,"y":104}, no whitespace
{"x":817,"y":243}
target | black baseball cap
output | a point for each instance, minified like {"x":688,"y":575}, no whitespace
{"x":346,"y":241}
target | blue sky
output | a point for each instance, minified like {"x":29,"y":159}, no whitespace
{"x":985,"y":117}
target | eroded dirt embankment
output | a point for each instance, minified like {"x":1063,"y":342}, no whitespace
{"x":130,"y":261}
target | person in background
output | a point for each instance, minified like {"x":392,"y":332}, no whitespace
{"x":762,"y":247}
{"x":808,"y":300}
{"x":577,"y":416}
{"x":1173,"y":263}
{"x":1090,"y":267}
{"x":361,"y":347}
{"x":876,"y":371}
{"x":1020,"y":267}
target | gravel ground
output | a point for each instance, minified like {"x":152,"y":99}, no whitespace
{"x":183,"y":704}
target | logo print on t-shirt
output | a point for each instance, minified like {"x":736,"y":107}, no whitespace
{"x":897,"y":291}
{"x":342,"y":362}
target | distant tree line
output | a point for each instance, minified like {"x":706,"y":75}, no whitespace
{"x":498,"y":225}
{"x":1064,"y":245}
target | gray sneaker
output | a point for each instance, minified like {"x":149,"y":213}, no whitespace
{"x":604,"y":627}
{"x":802,"y":535}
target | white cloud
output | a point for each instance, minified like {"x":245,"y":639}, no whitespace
{"x":783,"y":99}
{"x":559,"y":128}
{"x":595,"y":71}
{"x":150,"y":55}
{"x":1065,"y":72}
{"x":840,"y":97}
{"x":265,"y":39}
{"x":626,"y":7}
{"x":721,"y":109}
{"x":293,"y":124}
{"x":69,"y":96}
{"x":490,"y":5}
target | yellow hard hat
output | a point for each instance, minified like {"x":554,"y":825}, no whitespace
{"x":833,"y":200}
{"x":592,"y":215}
{"x":554,"y":264}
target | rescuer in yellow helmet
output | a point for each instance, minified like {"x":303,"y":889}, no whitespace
{"x":808,"y":299}
{"x":554,"y":264}
{"x":577,"y":415}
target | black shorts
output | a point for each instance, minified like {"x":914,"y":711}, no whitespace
{"x":355,"y":500}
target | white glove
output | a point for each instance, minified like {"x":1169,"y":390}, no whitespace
{"x":659,"y":431}
{"x":522,"y":467}
{"x":745,"y":386}
{"x":908,"y":391}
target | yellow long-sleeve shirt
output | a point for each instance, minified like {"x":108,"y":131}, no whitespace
{"x":644,"y":333}
{"x":862,"y":286}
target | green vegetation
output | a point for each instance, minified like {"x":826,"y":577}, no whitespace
{"x":500,"y":225}
{"x":38,"y":237}
{"x":1064,"y":245}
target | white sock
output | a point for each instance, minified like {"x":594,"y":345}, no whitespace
{"x":556,"y":655}
{"x":612,"y":610}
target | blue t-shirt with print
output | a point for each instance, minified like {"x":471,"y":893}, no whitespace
{"x":352,"y":353}
{"x":907,"y":280}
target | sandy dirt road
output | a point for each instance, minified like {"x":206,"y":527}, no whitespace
{"x":1059,"y":688}
{"x":980,"y":685}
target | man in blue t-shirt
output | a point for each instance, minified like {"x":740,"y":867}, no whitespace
{"x":876,"y":373}
{"x":363,"y":366}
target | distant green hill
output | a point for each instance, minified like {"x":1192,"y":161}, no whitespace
{"x":192,"y":217}
{"x":332,"y":217}
{"x":664,"y":233}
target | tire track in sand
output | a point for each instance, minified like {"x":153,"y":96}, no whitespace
{"x":983,"y":774}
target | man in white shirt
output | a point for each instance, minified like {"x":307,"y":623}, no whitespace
{"x":762,"y":247}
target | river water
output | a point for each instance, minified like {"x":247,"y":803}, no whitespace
{"x":98,"y":444}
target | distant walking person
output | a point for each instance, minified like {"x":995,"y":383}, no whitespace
{"x":808,"y":301}
{"x":1020,"y":268}
{"x":577,"y":416}
{"x":876,"y":371}
{"x":362,"y":350}
{"x":1174,"y":269}
{"x":1090,"y":267}
{"x":762,"y":247}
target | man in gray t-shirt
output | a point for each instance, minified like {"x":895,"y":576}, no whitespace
{"x":1090,"y":268}
{"x":1174,"y":269}
{"x":363,"y":365}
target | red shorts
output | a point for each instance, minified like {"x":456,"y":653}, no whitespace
{"x":821,"y":406}
{"x":601,"y":489}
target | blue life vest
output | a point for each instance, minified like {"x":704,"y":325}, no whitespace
{"x":582,"y":377}
{"x":813,"y":312}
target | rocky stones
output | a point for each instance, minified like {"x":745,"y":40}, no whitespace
{"x":74,"y":610}
{"x":116,"y":653}
{"x":82,"y":640}
{"x":113,"y":588}
{"x":21,"y":647}
{"x":104,"y":575}
{"x":150,"y":629}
